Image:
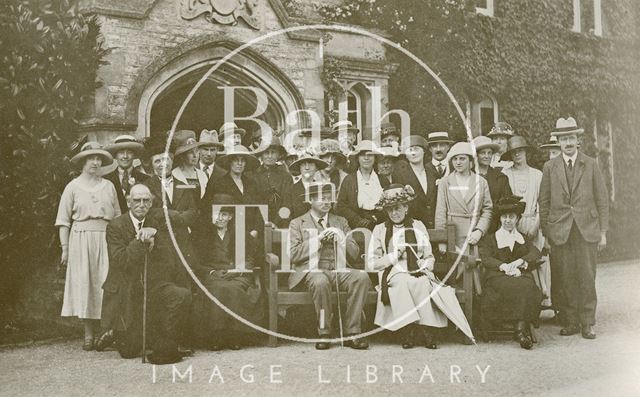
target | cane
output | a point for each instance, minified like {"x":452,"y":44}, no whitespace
{"x":335,"y":256}
{"x":144,"y":306}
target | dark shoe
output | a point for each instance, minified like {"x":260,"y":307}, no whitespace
{"x":161,"y":357}
{"x":234,"y":346}
{"x":357,"y":343}
{"x":524,"y":340}
{"x":185,"y":352}
{"x":105,"y":340}
{"x":588,"y":332}
{"x":408,"y":337}
{"x":88,"y":345}
{"x":429,"y":338}
{"x":322,"y":345}
{"x":570,"y":330}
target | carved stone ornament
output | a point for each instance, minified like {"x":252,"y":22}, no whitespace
{"x":225,"y":12}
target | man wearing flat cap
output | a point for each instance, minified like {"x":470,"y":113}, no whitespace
{"x":574,"y":216}
{"x":124,"y":149}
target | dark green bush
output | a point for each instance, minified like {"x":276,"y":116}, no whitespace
{"x":49,"y":56}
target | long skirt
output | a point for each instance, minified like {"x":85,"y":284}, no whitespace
{"x":239,"y":295}
{"x":410,"y":302}
{"x":87,"y":268}
{"x":510,"y":299}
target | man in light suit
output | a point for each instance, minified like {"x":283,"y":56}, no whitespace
{"x":314,"y":237}
{"x":574,"y":216}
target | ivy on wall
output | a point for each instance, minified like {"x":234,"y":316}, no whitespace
{"x":529,"y":60}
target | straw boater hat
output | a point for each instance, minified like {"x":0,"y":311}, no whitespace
{"x":123,"y":142}
{"x":230,"y":128}
{"x":92,"y":149}
{"x":551,"y":143}
{"x":209,"y":138}
{"x":239,"y":151}
{"x":364,"y":147}
{"x":274,"y":143}
{"x":483,"y":142}
{"x":304,"y":156}
{"x":184,"y":141}
{"x":414,"y":140}
{"x":331,"y":146}
{"x":460,"y":148}
{"x":439,"y":137}
{"x":509,"y":204}
{"x":515,"y":142}
{"x":395,"y":194}
{"x":566,"y":127}
{"x":501,"y":128}
{"x":344,"y":125}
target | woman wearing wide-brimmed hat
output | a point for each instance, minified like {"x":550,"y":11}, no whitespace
{"x":401,"y":252}
{"x":330,"y":153}
{"x":463,"y":198}
{"x":500,"y":135}
{"x":87,"y":205}
{"x":498,"y":182}
{"x":508,"y":257}
{"x":185,"y":158}
{"x":361,"y":190}
{"x":306,"y":166}
{"x":230,"y":134}
{"x":552,"y":146}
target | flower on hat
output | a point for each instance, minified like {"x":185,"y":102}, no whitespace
{"x":393,"y":196}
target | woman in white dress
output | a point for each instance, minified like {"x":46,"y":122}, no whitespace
{"x":87,"y":205}
{"x":401,"y":252}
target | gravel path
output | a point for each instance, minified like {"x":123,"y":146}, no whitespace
{"x":560,"y":366}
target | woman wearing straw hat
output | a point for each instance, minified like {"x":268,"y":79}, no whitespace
{"x":331,"y":154}
{"x":463,"y":199}
{"x":87,"y":205}
{"x":511,"y":293}
{"x":401,"y":251}
{"x":186,"y":173}
{"x":500,"y":134}
{"x":498,"y":182}
{"x":361,"y":190}
{"x":306,"y":166}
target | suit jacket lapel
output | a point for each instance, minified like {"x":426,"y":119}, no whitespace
{"x":454,"y":191}
{"x":473,"y":186}
{"x":558,"y":169}
{"x":579,"y":170}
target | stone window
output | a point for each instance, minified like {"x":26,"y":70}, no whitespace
{"x":587,"y":17}
{"x":352,"y":105}
{"x":484,"y":7}
{"x":482,"y":113}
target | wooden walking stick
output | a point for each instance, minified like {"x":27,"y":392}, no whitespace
{"x":335,"y":256}
{"x":144,"y":306}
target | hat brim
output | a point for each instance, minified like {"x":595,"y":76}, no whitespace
{"x":577,"y":131}
{"x":104,"y":156}
{"x":493,"y":134}
{"x":295,"y":166}
{"x":506,"y":156}
{"x":219,"y":145}
{"x":550,"y":146}
{"x":281,"y":150}
{"x":340,"y":157}
{"x":114,"y":148}
{"x":396,"y":202}
{"x":183,"y":149}
{"x":449,"y":141}
{"x":517,"y":209}
{"x":493,"y":146}
{"x":252,"y":161}
{"x":240,"y":131}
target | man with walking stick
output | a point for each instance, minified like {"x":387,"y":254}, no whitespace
{"x":139,"y":240}
{"x":315,"y":238}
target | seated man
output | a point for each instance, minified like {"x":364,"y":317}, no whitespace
{"x":238,"y":291}
{"x":314,"y":237}
{"x":141,"y":232}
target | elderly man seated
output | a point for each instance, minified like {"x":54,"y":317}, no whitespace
{"x":138,"y":236}
{"x":315,"y":238}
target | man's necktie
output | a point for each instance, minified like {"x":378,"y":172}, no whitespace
{"x":570,"y":164}
{"x":321,"y":223}
{"x":570,"y":173}
{"x":440,"y":170}
{"x":126,"y":186}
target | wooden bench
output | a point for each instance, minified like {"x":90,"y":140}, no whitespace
{"x":280,"y":296}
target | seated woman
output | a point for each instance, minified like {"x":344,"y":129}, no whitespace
{"x":510,"y":293}
{"x":239,"y":292}
{"x":409,"y":294}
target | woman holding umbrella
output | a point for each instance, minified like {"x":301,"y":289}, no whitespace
{"x":410,"y":299}
{"x":87,"y":205}
{"x":508,"y":257}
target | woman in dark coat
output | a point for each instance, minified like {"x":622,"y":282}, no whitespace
{"x":238,"y":291}
{"x":361,"y":190}
{"x":511,"y":293}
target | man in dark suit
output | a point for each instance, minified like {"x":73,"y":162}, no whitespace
{"x":208,"y":150}
{"x":125,"y":149}
{"x":314,"y":237}
{"x":140,"y":232}
{"x":422,"y":179}
{"x":574,"y":216}
{"x":439,"y":145}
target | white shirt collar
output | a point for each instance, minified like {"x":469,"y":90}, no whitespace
{"x":325,"y":219}
{"x":508,"y":239}
{"x":572,"y":158}
{"x":436,"y":163}
{"x":135,"y":221}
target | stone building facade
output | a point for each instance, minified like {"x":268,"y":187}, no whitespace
{"x":160,"y":49}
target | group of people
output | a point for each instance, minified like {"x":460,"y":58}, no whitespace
{"x":127,"y":235}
